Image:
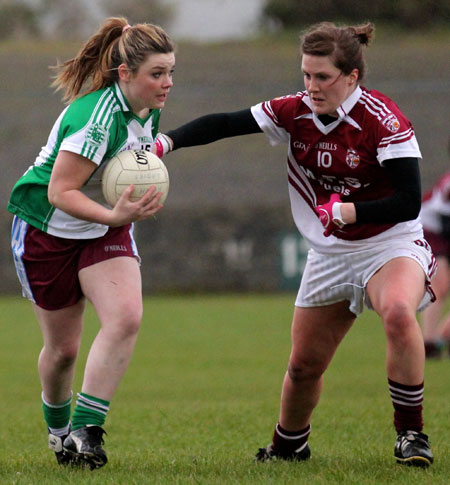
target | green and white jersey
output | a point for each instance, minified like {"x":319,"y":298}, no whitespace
{"x":97,"y":126}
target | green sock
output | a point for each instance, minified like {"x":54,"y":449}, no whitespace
{"x":89,"y":410}
{"x":57,"y":415}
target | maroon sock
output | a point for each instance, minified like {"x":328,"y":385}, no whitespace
{"x":289,"y":441}
{"x":407,"y":402}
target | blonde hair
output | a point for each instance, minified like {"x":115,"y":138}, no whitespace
{"x":342,"y":44}
{"x":115,"y":43}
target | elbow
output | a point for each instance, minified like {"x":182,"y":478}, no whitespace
{"x":53,"y":197}
{"x":412,"y":209}
{"x":415,"y":205}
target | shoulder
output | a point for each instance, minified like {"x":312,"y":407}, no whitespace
{"x":98,"y":106}
{"x":379,"y":105}
{"x":288,"y":106}
{"x":384,"y":112}
{"x":289,"y":100}
{"x":94,"y":112}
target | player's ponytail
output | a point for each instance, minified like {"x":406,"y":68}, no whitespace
{"x":364,"y":33}
{"x":115,"y":43}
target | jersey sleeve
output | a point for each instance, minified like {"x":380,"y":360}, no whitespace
{"x":274,"y":117}
{"x":85,"y":129}
{"x":396,"y":137}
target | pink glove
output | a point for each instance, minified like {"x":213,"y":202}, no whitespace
{"x":163,"y":144}
{"x":330,"y":215}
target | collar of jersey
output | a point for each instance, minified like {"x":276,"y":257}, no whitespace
{"x":126,"y":107}
{"x":342,"y":111}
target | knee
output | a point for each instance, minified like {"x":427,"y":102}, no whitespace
{"x":305,"y":370}
{"x":128,"y":322}
{"x":64,"y":356}
{"x":398,"y":319}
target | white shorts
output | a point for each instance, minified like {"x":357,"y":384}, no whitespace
{"x":330,"y":278}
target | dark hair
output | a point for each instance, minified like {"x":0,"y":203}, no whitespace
{"x":342,"y":44}
{"x":115,"y":43}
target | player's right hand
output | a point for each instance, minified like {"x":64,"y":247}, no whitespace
{"x":330,"y":215}
{"x":126,"y":211}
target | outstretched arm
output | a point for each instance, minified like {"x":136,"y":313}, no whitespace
{"x":212,"y":127}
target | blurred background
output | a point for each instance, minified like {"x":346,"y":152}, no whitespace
{"x":226,"y":225}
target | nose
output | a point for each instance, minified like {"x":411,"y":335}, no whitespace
{"x":312,"y":85}
{"x":168,"y":81}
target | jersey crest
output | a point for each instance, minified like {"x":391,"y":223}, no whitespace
{"x":352,"y":158}
{"x":96,"y":134}
{"x":391,"y":123}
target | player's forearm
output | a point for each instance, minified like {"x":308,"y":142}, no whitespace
{"x":77,"y":204}
{"x":212,"y":127}
{"x":405,"y":202}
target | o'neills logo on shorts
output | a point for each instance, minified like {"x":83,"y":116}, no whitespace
{"x":115,"y":247}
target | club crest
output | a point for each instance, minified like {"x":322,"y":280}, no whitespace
{"x":96,"y":134}
{"x":352,"y":158}
{"x":391,"y":123}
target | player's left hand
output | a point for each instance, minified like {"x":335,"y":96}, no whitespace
{"x":330,"y":215}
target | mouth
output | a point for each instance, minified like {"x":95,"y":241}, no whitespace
{"x":316,"y":99}
{"x":162,"y":97}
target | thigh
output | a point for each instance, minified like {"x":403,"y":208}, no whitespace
{"x":46,"y":266}
{"x":399,"y":280}
{"x":317,"y":332}
{"x":114,"y":287}
{"x":61,"y":328}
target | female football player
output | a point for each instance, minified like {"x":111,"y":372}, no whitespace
{"x":435,"y":218}
{"x":354,"y":186}
{"x":69,"y":246}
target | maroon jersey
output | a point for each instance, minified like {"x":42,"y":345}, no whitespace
{"x":345,"y":157}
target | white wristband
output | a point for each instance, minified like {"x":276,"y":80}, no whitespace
{"x":337,"y":216}
{"x":166,"y":142}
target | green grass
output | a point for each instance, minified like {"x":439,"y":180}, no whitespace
{"x":202,"y":394}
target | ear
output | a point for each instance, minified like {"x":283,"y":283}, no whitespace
{"x":353,"y":76}
{"x":124,"y":72}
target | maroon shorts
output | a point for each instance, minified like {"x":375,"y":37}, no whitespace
{"x":48,"y":266}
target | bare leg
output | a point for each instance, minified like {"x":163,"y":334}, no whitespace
{"x":395,"y":292}
{"x":114,"y":288}
{"x":316,"y":334}
{"x":61,"y":330}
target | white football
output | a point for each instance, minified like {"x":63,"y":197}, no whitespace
{"x":138,"y":167}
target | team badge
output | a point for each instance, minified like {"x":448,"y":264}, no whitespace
{"x":352,"y":158}
{"x":96,"y":134}
{"x":391,"y":123}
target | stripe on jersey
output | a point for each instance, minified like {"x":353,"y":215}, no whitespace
{"x":397,"y":138}
{"x":266,"y":106}
{"x":298,"y":180}
{"x":102,"y":114}
{"x":374,"y":106}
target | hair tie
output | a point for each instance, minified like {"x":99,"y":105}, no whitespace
{"x":128,"y":26}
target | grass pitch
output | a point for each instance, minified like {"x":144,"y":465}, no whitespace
{"x":202,"y":394}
